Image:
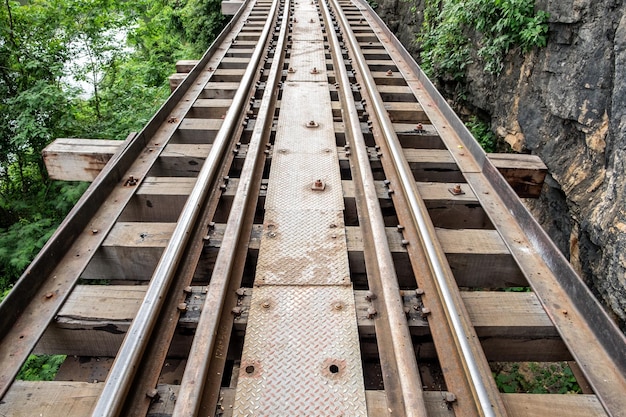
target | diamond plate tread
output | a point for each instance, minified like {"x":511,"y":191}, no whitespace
{"x":301,"y":355}
{"x":292,"y":190}
{"x":307,"y":50}
{"x":303,"y":248}
{"x":309,"y":102}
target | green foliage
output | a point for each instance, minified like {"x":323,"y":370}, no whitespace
{"x":536,"y":378}
{"x":42,"y":43}
{"x":40,"y":367}
{"x":456,"y":32}
{"x":483,"y":133}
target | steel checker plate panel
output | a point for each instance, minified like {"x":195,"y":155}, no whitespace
{"x":312,"y":104}
{"x":293,"y":189}
{"x":301,"y":354}
{"x":303,"y":248}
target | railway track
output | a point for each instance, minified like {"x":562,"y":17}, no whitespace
{"x":304,"y":228}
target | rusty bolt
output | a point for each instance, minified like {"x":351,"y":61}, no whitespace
{"x":237,"y":311}
{"x":291,"y":70}
{"x":182,"y":307}
{"x":389,"y":72}
{"x":49,"y":295}
{"x":312,"y":123}
{"x":338,"y":306}
{"x":131,"y":181}
{"x":457,"y":190}
{"x":371,"y":313}
{"x":318,"y":185}
{"x":450,"y":397}
{"x":314,"y":71}
{"x":369,"y":296}
{"x":265,"y":304}
{"x":153,"y":394}
{"x":312,"y":20}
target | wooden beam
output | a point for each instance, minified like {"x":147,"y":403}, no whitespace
{"x":83,"y":158}
{"x":78,"y":159}
{"x":175,"y":80}
{"x":524,"y":173}
{"x":94,"y":320}
{"x":77,"y":399}
{"x":541,"y":405}
{"x":130,"y":251}
{"x":186,"y":65}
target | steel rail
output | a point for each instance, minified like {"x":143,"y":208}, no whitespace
{"x":593,"y":322}
{"x":400,"y":338}
{"x":118,"y":380}
{"x":194,"y":377}
{"x":425,"y":229}
{"x":23,"y":317}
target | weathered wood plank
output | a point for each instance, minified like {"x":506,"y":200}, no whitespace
{"x":158,"y":199}
{"x":103,"y":315}
{"x":78,"y":159}
{"x":478,"y":257}
{"x":406,"y":112}
{"x":524,"y":173}
{"x":541,"y":405}
{"x":50,"y":399}
{"x":186,"y":65}
{"x":225,"y":90}
{"x":175,"y":80}
{"x":201,"y":131}
{"x":210,"y":108}
{"x":77,"y":399}
{"x":130,"y":251}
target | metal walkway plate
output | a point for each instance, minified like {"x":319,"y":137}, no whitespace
{"x":301,"y":355}
{"x":301,"y":352}
{"x":303,"y":248}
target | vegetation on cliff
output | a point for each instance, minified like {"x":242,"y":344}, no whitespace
{"x":456,"y":33}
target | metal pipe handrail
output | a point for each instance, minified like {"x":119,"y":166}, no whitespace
{"x":119,"y":378}
{"x":408,"y":373}
{"x":424,"y":227}
{"x":197,"y":367}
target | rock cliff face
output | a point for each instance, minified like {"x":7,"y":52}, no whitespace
{"x":566,"y":103}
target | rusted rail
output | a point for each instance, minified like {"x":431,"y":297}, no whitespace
{"x":304,"y":228}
